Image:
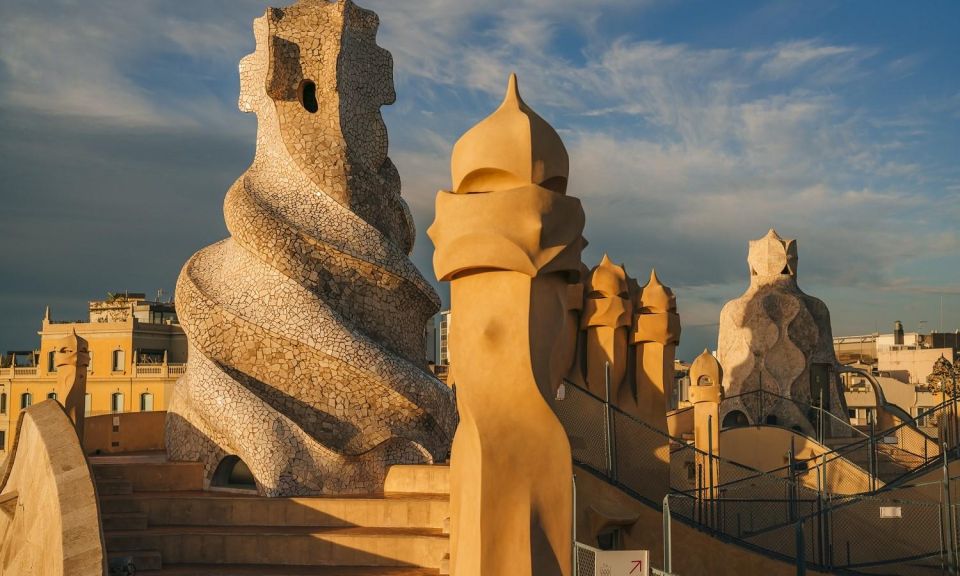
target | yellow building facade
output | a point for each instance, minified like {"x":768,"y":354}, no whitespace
{"x":138,"y":350}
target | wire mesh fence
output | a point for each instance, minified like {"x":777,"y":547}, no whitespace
{"x":814,"y":512}
{"x":586,"y":560}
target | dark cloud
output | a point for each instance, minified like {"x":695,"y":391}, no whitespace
{"x":88,"y":210}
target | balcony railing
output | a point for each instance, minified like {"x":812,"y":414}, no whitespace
{"x":18,"y":371}
{"x":139,"y":371}
{"x":159,"y":370}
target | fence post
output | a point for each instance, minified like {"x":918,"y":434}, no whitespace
{"x":763,"y":419}
{"x":946,"y":520}
{"x":825,"y":526}
{"x":791,"y":482}
{"x":820,"y":418}
{"x":801,"y":547}
{"x":573,"y":527}
{"x":667,"y":537}
{"x":953,"y":398}
{"x":699,"y":491}
{"x":611,"y":462}
{"x":874,"y":464}
{"x":710,"y":476}
{"x":820,"y":488}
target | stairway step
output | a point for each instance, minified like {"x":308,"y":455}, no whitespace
{"x":124,"y":521}
{"x":142,"y":559}
{"x":418,"y":479}
{"x":286,"y":545}
{"x":114,"y":487}
{"x":152,"y":476}
{"x":264,"y":570}
{"x":120,"y":504}
{"x":218,"y":509}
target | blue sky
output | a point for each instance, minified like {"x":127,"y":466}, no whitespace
{"x":693,"y":127}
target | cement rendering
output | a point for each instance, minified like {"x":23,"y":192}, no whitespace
{"x":49,"y":520}
{"x":306,"y":327}
{"x":509,"y":240}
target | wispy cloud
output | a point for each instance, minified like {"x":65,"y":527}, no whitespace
{"x":99,"y":59}
{"x":832,"y":62}
{"x":681,"y":150}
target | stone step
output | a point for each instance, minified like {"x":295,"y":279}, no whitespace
{"x":142,"y":559}
{"x":113,"y":488}
{"x":418,"y":479}
{"x":218,"y":509}
{"x":287,"y":546}
{"x":265,"y":570}
{"x":124,"y":521}
{"x":152,"y":477}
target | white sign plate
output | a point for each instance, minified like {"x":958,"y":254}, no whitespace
{"x":891,"y":512}
{"x":623,"y":563}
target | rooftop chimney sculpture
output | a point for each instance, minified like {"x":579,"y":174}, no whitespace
{"x":509,"y":240}
{"x":776,"y":348}
{"x":306,"y":325}
{"x":72,"y":358}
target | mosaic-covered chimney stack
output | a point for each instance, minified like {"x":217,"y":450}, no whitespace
{"x":306,"y":325}
{"x":776,"y":348}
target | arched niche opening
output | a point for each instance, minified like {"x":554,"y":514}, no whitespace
{"x":232,"y":472}
{"x":735,"y":419}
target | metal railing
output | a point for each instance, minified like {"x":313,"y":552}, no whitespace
{"x":819,"y":417}
{"x":790,"y":513}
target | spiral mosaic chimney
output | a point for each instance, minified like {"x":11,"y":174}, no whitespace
{"x":306,"y":326}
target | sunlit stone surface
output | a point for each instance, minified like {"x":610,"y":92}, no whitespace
{"x":306,"y":327}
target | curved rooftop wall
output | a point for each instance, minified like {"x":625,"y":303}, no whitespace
{"x":49,"y":520}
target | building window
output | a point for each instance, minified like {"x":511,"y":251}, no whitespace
{"x":3,"y":439}
{"x":52,"y":396}
{"x":26,"y":399}
{"x":119,"y":361}
{"x":52,"y":361}
{"x":146,"y":402}
{"x":87,"y":403}
{"x":116,"y":402}
{"x":3,"y":403}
